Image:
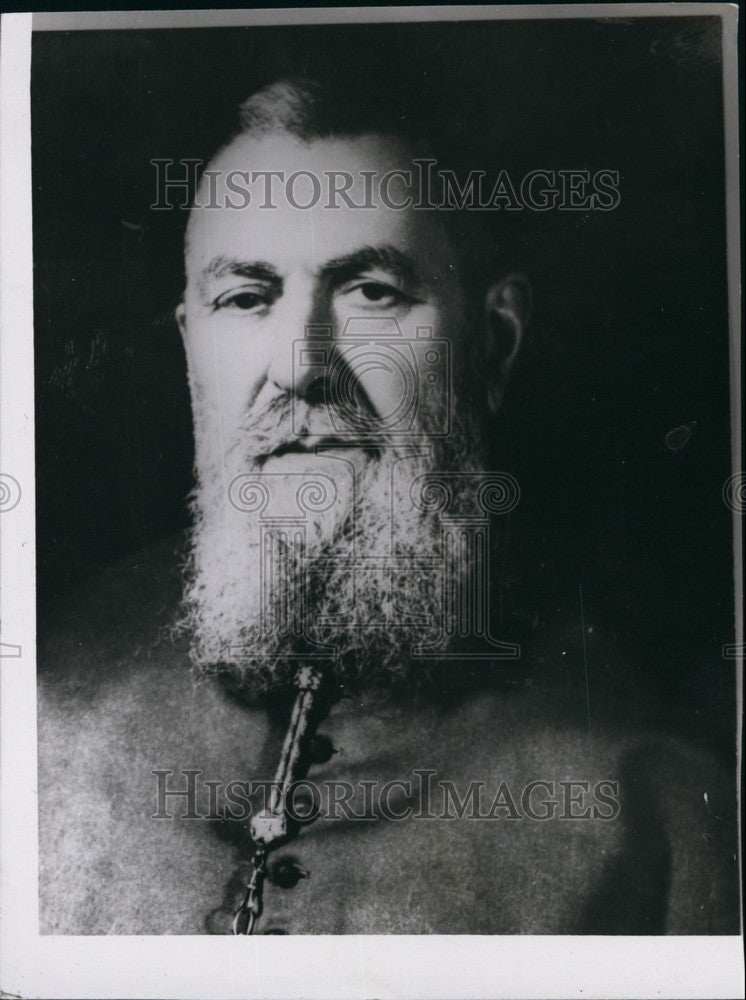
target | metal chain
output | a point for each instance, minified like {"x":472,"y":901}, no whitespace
{"x":270,"y":826}
{"x":250,"y":909}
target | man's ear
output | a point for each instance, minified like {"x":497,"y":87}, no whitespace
{"x":180,"y":314}
{"x":507,"y":308}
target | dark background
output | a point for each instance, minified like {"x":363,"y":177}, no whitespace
{"x":629,"y":339}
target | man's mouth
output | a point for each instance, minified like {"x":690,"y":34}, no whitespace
{"x":309,"y":444}
{"x":317,"y":444}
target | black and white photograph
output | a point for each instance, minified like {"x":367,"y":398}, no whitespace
{"x":378,"y":508}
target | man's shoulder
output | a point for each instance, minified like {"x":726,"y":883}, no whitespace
{"x":649,"y":807}
{"x":542,"y":733}
{"x":121,"y":613}
{"x":118,"y":697}
{"x":119,"y":703}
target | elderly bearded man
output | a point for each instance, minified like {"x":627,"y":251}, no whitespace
{"x":338,"y":547}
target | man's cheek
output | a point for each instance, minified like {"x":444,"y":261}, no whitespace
{"x":217,"y":415}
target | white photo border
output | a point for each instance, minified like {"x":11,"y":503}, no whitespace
{"x":272,"y":966}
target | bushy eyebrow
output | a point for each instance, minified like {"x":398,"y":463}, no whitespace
{"x":385,"y":257}
{"x":222,"y":267}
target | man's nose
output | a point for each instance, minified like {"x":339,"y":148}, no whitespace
{"x":302,"y":343}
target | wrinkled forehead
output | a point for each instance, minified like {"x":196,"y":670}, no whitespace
{"x":275,"y":198}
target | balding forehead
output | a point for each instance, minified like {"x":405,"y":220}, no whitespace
{"x":282,"y":174}
{"x":264,"y":156}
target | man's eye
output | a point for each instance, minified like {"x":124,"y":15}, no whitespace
{"x":242,"y":299}
{"x":376,"y":292}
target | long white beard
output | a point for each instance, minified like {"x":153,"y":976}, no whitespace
{"x":341,"y":565}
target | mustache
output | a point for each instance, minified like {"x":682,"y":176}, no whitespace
{"x":288,"y":421}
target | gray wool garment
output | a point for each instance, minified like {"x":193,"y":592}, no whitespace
{"x":118,"y":702}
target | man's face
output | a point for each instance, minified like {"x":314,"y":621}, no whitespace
{"x":266,"y":288}
{"x":258,"y":278}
